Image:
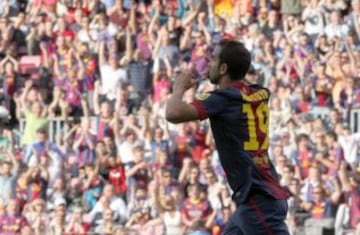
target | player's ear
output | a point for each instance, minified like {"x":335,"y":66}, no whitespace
{"x":223,"y":69}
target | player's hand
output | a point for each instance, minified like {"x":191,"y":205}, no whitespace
{"x":184,"y":82}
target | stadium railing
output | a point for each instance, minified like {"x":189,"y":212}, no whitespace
{"x":58,"y":127}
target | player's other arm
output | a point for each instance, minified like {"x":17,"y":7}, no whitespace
{"x":178,"y":111}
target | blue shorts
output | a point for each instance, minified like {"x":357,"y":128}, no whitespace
{"x":258,"y":215}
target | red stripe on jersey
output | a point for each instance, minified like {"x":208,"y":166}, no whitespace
{"x":260,"y":216}
{"x":200,"y":108}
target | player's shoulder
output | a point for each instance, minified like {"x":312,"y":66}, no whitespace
{"x":260,"y":91}
{"x":203,"y":95}
{"x":246,"y":88}
{"x":251,"y":92}
{"x":259,"y":87}
{"x":215,"y":94}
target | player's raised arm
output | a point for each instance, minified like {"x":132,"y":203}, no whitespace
{"x":178,"y":111}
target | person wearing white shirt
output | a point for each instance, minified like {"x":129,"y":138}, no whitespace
{"x":126,"y":147}
{"x":314,"y":22}
{"x":86,"y":34}
{"x":335,"y":28}
{"x":111,"y":79}
{"x":350,"y":144}
{"x":103,"y":26}
{"x":117,"y":204}
{"x":112,"y":76}
{"x":95,"y":216}
{"x":214,"y":190}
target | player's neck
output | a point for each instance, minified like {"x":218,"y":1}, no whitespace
{"x":227,"y":82}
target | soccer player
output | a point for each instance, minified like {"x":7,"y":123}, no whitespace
{"x":239,"y":117}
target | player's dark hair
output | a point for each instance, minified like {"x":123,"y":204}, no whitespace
{"x":236,"y":57}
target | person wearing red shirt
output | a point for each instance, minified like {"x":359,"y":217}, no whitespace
{"x":90,"y":67}
{"x":61,"y":56}
{"x":182,"y":141}
{"x":118,"y":15}
{"x":117,"y":175}
{"x":198,"y":150}
{"x":36,"y":181}
{"x":322,"y":206}
{"x":335,"y":156}
{"x":321,"y":209}
{"x":64,"y":31}
{"x":303,"y":156}
{"x":75,"y":14}
{"x":196,"y":210}
{"x":13,"y":222}
{"x":77,"y":226}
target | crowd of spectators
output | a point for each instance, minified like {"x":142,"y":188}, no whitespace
{"x":89,"y":78}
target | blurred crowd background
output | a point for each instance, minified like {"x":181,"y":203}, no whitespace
{"x":86,"y":149}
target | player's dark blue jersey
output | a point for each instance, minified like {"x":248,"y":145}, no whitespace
{"x":239,"y":117}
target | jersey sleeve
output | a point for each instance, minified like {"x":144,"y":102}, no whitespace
{"x":209,"y":104}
